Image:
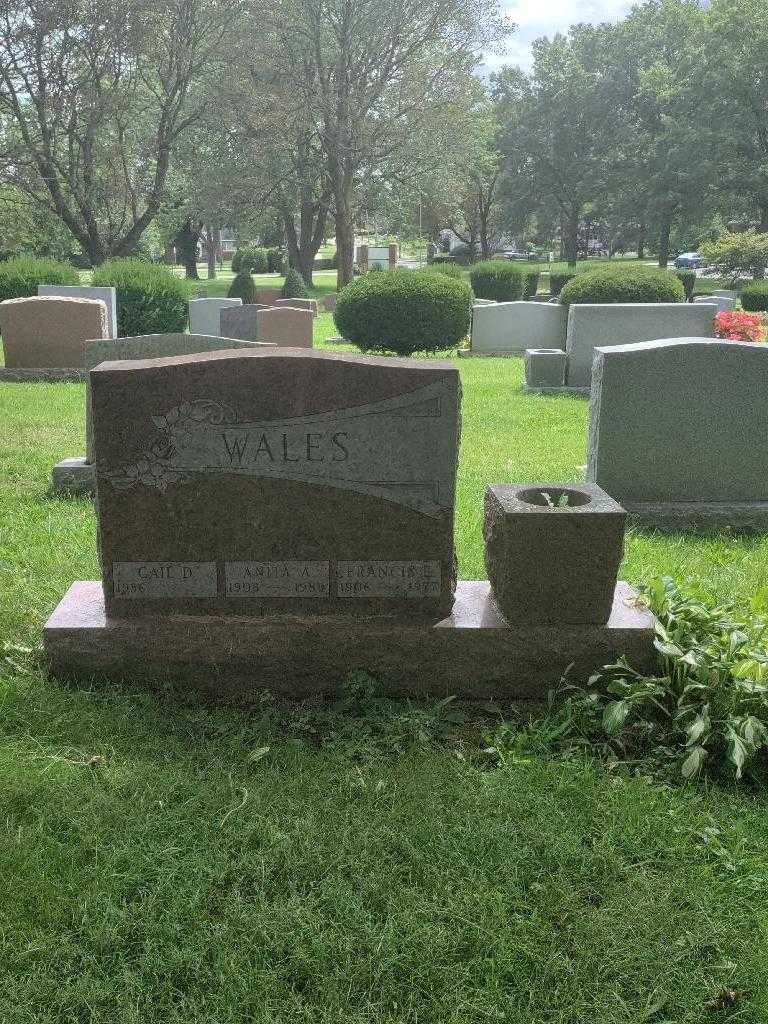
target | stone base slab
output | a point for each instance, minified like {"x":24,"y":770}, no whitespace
{"x":73,"y":476}
{"x":474,"y":653}
{"x":42,"y":374}
{"x":700,"y":517}
{"x":578,"y":392}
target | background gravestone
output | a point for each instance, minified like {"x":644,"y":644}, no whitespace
{"x":507,"y":327}
{"x":268,"y":296}
{"x":285,"y":326}
{"x":265,"y":483}
{"x":47,"y":332}
{"x":204,"y":315}
{"x":310,"y":304}
{"x":676,"y":429}
{"x":240,"y":322}
{"x":74,"y":291}
{"x":600,"y":324}
{"x":76,"y":475}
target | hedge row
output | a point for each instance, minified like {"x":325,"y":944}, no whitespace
{"x":20,"y":276}
{"x":754,"y":297}
{"x":497,"y":280}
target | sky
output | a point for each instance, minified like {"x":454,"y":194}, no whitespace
{"x":536,"y":18}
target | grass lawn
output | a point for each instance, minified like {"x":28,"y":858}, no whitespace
{"x":361,"y":863}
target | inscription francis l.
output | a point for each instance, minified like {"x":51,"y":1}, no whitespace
{"x":375,"y":449}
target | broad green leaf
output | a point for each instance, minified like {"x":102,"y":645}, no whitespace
{"x":693,"y":764}
{"x":614,"y":716}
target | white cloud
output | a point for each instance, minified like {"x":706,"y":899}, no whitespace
{"x":536,"y":18}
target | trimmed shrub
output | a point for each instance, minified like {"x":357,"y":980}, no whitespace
{"x":754,"y":296}
{"x":275,"y":261}
{"x":20,"y":276}
{"x":498,"y":280}
{"x":623,"y":284}
{"x":150,"y":298}
{"x":463,"y":255}
{"x":688,"y":279}
{"x":531,"y":283}
{"x":251,"y":258}
{"x":558,"y":281}
{"x":448,"y":269}
{"x":242,"y":287}
{"x":295,"y":287}
{"x":404,"y":312}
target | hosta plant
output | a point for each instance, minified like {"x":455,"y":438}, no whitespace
{"x":704,"y":711}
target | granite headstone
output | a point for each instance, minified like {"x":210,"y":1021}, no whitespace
{"x":264,"y":483}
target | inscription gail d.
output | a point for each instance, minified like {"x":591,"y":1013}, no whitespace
{"x":401,"y":449}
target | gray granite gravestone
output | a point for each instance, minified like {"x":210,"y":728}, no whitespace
{"x":76,"y":475}
{"x":676,"y":428}
{"x":73,"y":291}
{"x":600,"y":324}
{"x":204,"y":315}
{"x":241,"y":321}
{"x":509,"y":328}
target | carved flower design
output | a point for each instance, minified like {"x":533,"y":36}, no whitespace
{"x":155,"y":468}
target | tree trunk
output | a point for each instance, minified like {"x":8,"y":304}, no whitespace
{"x":762,"y":227}
{"x":345,"y":233}
{"x":664,"y":233}
{"x":212,"y":249}
{"x":186,"y":246}
{"x":641,"y":241}
{"x":304,"y":246}
{"x":571,"y":241}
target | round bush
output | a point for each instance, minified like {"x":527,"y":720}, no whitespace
{"x":623,"y":284}
{"x":531,"y":283}
{"x":150,"y":298}
{"x":20,"y":276}
{"x":498,"y":280}
{"x":688,"y":279}
{"x":242,"y":287}
{"x":754,"y":297}
{"x":404,"y":312}
{"x":558,"y":281}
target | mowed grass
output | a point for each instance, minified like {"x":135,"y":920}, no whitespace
{"x":166,"y":861}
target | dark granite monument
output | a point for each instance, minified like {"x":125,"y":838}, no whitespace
{"x":276,"y":519}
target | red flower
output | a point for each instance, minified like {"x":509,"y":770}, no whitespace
{"x":739,"y":326}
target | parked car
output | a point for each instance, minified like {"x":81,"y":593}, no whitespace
{"x":689,"y":261}
{"x":510,"y":254}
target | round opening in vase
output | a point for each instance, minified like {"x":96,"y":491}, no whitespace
{"x":554,"y":497}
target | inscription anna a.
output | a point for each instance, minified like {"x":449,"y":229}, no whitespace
{"x":402,"y":449}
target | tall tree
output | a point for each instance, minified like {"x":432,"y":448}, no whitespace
{"x":373,"y":75}
{"x":568,"y":130}
{"x":665,"y":166}
{"x":98,"y":93}
{"x":733,"y":97}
